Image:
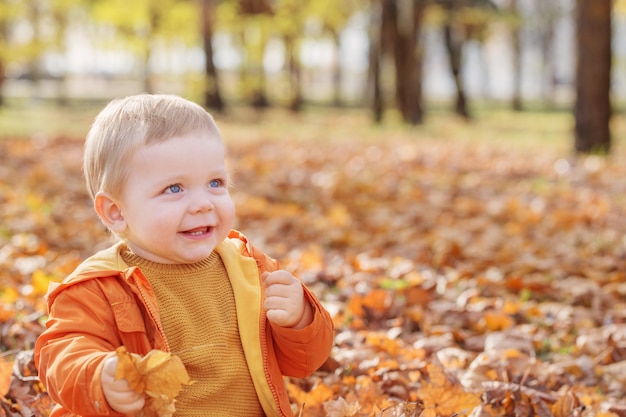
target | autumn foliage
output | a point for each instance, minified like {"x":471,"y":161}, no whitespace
{"x":464,"y":280}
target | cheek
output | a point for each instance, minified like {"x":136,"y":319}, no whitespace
{"x":157,"y":214}
{"x":227,"y":208}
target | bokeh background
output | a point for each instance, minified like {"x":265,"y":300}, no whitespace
{"x":398,"y":59}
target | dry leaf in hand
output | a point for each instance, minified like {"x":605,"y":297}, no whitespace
{"x":127,"y":369}
{"x":159,"y":375}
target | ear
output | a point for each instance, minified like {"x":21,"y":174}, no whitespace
{"x":110,"y":212}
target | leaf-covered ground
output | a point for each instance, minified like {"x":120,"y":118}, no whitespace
{"x":464,"y":279}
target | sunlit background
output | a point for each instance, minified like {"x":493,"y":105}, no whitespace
{"x":101,"y":49}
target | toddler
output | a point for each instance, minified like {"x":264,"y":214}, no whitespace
{"x":179,"y":279}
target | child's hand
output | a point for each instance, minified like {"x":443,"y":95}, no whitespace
{"x":118,"y":393}
{"x":284,"y":300}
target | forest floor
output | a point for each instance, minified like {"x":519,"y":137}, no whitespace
{"x":472,"y":269}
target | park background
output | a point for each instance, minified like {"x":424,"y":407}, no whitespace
{"x":447,"y":176}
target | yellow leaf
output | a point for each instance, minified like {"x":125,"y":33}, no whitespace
{"x":127,"y":369}
{"x":9,"y":295}
{"x":442,"y":397}
{"x":312,"y":257}
{"x":339,"y":215}
{"x":41,"y":281}
{"x":152,"y":361}
{"x":167,"y":376}
{"x":159,"y":375}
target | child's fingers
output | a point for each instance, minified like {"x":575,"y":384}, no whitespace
{"x":118,"y":392}
{"x":108,"y":370}
{"x":277,"y":277}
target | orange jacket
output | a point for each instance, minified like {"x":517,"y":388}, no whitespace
{"x":105,"y":304}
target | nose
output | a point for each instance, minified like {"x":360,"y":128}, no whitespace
{"x":201,"y":201}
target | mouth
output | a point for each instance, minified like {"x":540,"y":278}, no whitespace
{"x":198,"y":231}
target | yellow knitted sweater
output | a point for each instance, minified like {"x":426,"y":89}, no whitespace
{"x":198,"y":314}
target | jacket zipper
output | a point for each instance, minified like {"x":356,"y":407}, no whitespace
{"x":145,"y":299}
{"x":263,"y":326}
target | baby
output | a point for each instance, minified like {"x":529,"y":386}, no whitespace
{"x":179,"y":279}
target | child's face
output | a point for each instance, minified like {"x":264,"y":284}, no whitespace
{"x":175,"y":206}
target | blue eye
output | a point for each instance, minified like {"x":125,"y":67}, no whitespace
{"x":216,"y":183}
{"x":174,"y":189}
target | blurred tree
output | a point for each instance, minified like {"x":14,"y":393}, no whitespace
{"x":290,"y":19}
{"x":396,"y":31}
{"x":397,"y":26}
{"x":539,"y":27}
{"x":547,"y":13}
{"x":48,"y":23}
{"x":463,"y":20}
{"x":212,"y":92}
{"x":408,"y":58}
{"x":260,"y":13}
{"x":516,"y":45}
{"x":34,"y":49}
{"x":376,"y":39}
{"x":534,"y":23}
{"x":61,"y":14}
{"x":141,"y":25}
{"x":334,"y":17}
{"x":592,"y":109}
{"x":255,"y":7}
{"x":8,"y":13}
{"x":250,"y":23}
{"x":283,"y":24}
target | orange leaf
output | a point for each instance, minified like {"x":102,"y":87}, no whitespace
{"x":566,"y":405}
{"x":312,"y":399}
{"x":6,"y":370}
{"x":442,"y":397}
{"x":496,"y":320}
{"x":127,"y":369}
{"x":159,"y":375}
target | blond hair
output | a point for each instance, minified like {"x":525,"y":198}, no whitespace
{"x":126,"y":124}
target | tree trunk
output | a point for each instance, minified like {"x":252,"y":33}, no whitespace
{"x":454,"y":41}
{"x":454,"y":45}
{"x":375,"y":57}
{"x":34,"y":17}
{"x":295,"y":76}
{"x":252,"y":7}
{"x":407,"y":55}
{"x":62,"y":87}
{"x":212,"y":95}
{"x":337,"y":73}
{"x":2,"y":79}
{"x":549,"y":10}
{"x":148,"y":78}
{"x":592,"y":110}
{"x":3,"y":35}
{"x":516,"y":50}
{"x":396,"y":26}
{"x":149,"y":82}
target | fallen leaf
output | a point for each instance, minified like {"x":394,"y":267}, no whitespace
{"x":340,"y":408}
{"x":6,"y":369}
{"x":442,"y":397}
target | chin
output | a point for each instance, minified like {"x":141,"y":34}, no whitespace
{"x":196,"y":258}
